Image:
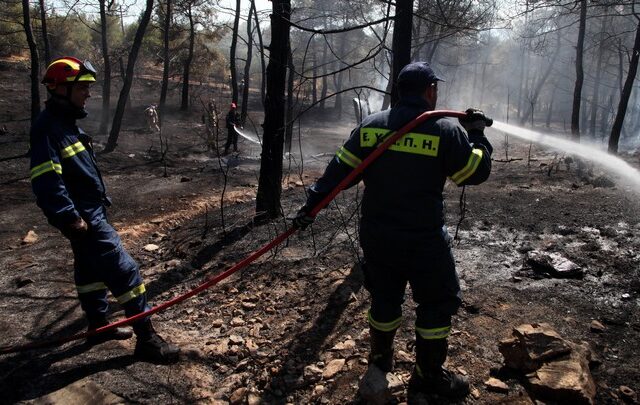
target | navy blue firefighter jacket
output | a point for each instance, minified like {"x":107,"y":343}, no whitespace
{"x":403,"y":188}
{"x":64,"y":174}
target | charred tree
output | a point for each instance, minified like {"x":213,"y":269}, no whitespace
{"x":288,"y":135}
{"x":184,"y":105}
{"x":270,"y":181}
{"x":232,"y":54}
{"x":401,"y":44}
{"x":595,"y":101}
{"x":577,"y":92}
{"x":45,"y":35}
{"x":614,"y":139}
{"x":325,"y":82}
{"x":166,"y":26}
{"x":35,"y":63}
{"x":112,"y":141}
{"x":106,"y":81}
{"x":263,"y":82}
{"x":247,"y":65}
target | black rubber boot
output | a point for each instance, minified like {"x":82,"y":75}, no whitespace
{"x":119,"y":333}
{"x":430,"y":377}
{"x":153,"y":348}
{"x":381,"y":348}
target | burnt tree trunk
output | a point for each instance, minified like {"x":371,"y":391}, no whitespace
{"x":165,"y":60}
{"x":263,"y":83}
{"x":45,"y":35}
{"x":614,"y":139}
{"x":401,"y":44}
{"x":270,"y":181}
{"x":184,"y":105}
{"x":325,"y":81}
{"x":247,"y":65}
{"x":232,"y":54}
{"x":288,"y":134}
{"x":314,"y":81}
{"x":106,"y":82}
{"x":35,"y":64}
{"x":595,"y":100}
{"x":577,"y":91}
{"x":112,"y":141}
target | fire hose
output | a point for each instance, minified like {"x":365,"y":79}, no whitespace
{"x":395,"y":136}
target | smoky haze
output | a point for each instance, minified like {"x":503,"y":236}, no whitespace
{"x":519,"y":68}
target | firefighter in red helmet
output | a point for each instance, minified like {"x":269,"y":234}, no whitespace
{"x":71,"y":192}
{"x":233,"y":120}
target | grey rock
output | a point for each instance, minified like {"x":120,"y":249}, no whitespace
{"x":553,"y":264}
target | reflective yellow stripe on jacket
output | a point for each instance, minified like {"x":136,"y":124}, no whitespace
{"x":470,"y":168}
{"x":72,"y":150}
{"x":347,"y":157}
{"x":48,"y":166}
{"x":51,"y":166}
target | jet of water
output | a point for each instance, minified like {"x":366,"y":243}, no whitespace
{"x":247,"y":136}
{"x":612,"y":163}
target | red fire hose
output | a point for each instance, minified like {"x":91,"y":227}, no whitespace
{"x":253,"y":256}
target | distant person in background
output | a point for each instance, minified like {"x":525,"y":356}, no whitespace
{"x":233,"y":120}
{"x":71,"y":192}
{"x":151,"y":113}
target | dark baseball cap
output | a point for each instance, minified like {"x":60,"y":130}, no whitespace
{"x":417,"y":74}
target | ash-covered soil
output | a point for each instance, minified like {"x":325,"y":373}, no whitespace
{"x":290,"y":328}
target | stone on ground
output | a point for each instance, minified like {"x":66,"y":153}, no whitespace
{"x":557,"y":369}
{"x":84,"y":391}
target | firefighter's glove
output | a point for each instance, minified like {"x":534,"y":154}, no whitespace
{"x":76,"y":229}
{"x":475,"y":120}
{"x":302,"y":219}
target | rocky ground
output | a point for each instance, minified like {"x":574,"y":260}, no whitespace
{"x":290,"y":328}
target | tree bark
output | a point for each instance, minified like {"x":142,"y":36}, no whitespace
{"x":401,"y":44}
{"x":288,"y":134}
{"x":614,"y":139}
{"x":247,"y":65}
{"x":270,"y":181}
{"x":595,"y":100}
{"x":577,"y":92}
{"x":325,"y":82}
{"x":106,"y":82}
{"x":45,"y":35}
{"x":338,"y":79}
{"x":314,"y":81}
{"x":232,"y":54}
{"x":184,"y":105}
{"x":112,"y":141}
{"x":35,"y":61}
{"x":263,"y":82}
{"x":165,"y":59}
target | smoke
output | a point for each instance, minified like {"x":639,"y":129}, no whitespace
{"x":611,"y":163}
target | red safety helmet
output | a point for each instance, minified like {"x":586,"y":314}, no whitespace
{"x":68,"y":70}
{"x":233,"y":105}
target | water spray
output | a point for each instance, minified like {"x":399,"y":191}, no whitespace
{"x":246,"y":136}
{"x":612,"y":163}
